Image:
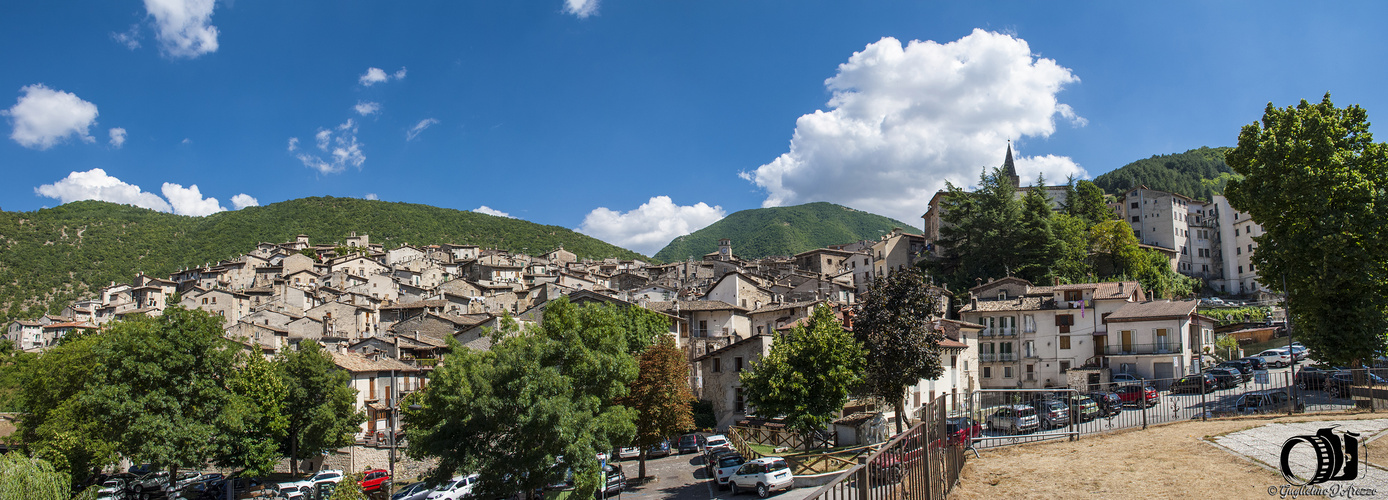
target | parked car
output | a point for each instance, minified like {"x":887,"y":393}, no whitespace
{"x":711,"y":463}
{"x":715,"y":442}
{"x":1300,"y":351}
{"x":1109,"y":403}
{"x":1087,"y":408}
{"x":416,"y":491}
{"x":1140,"y":396}
{"x":1120,"y":379}
{"x":1312,"y":377}
{"x":628,"y":452}
{"x":1226,"y":378}
{"x":375,"y":479}
{"x":1256,"y":362}
{"x":1276,"y":357}
{"x":1014,"y":419}
{"x":112,"y":489}
{"x":726,"y":466}
{"x":454,"y":489}
{"x":1244,"y":367}
{"x":1195,"y":384}
{"x":963,"y":431}
{"x":661,"y":449}
{"x":1259,"y":402}
{"x":763,"y":475}
{"x":691,"y":443}
{"x":1052,"y":413}
{"x":306,"y":484}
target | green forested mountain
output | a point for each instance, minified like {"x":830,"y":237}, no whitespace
{"x":1198,"y":173}
{"x":49,"y":257}
{"x":760,"y":232}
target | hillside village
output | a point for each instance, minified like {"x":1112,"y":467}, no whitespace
{"x":386,"y":314}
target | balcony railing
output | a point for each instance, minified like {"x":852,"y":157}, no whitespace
{"x":989,"y":357}
{"x":1006,"y":331}
{"x":1141,"y":349}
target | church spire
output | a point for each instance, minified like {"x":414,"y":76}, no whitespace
{"x":1009,"y":169}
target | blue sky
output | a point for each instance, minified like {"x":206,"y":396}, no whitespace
{"x":637,"y":121}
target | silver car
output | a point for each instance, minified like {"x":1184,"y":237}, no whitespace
{"x":1014,"y":419}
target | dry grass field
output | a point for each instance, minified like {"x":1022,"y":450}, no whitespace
{"x":1167,"y":461}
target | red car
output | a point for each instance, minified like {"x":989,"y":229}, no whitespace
{"x":963,"y":430}
{"x":1138,"y":396}
{"x":375,"y":479}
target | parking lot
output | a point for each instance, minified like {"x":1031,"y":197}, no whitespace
{"x":682,"y":477}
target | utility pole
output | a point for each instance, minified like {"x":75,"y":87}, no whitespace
{"x":1291,"y":370}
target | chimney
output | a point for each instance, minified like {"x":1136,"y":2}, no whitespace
{"x":1120,"y":287}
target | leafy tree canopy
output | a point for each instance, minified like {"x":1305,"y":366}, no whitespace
{"x":895,"y":325}
{"x":807,"y":376}
{"x":509,"y":413}
{"x":319,"y":405}
{"x":660,"y":395}
{"x":1318,"y":185}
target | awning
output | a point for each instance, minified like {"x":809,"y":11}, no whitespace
{"x":1100,"y":333}
{"x":378,"y":407}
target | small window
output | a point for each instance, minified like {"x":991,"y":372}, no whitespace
{"x":737,"y":363}
{"x":1002,"y":295}
{"x":1007,"y":372}
{"x":1064,"y":365}
{"x":1064,"y":341}
{"x":987,"y":372}
{"x":717,"y":365}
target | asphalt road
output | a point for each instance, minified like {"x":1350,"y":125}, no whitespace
{"x":682,"y":477}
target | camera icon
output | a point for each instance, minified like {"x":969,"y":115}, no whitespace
{"x":1337,"y":457}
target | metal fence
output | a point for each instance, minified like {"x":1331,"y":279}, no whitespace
{"x":921,"y":463}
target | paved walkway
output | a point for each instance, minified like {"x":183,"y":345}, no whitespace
{"x":1264,"y":444}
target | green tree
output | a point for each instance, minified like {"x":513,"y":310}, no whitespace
{"x":1089,"y":204}
{"x":1114,"y":248}
{"x":32,"y":479}
{"x":1318,"y":185}
{"x":1072,"y":239}
{"x":349,"y":488}
{"x":319,"y":405}
{"x":980,"y":230}
{"x":56,"y":424}
{"x":660,"y":395}
{"x":257,"y":422}
{"x":895,"y":324}
{"x":539,"y":393}
{"x":161,"y":389}
{"x":807,"y":376}
{"x":1036,"y":245}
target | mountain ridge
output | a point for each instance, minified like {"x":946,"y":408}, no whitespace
{"x":762,"y":232}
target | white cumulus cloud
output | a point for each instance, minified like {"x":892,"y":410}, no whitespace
{"x":94,"y":184}
{"x":42,"y":117}
{"x":651,"y":226}
{"x":117,"y":137}
{"x":374,"y":75}
{"x":371,"y":196}
{"x":904,"y":119}
{"x":183,"y":27}
{"x":581,"y":8}
{"x":244,"y":200}
{"x":189,"y":200}
{"x":491,"y":211}
{"x":339,"y":146}
{"x":367,"y":107}
{"x":419,"y":127}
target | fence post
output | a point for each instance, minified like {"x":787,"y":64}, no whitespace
{"x":1142,"y":405}
{"x":864,"y":484}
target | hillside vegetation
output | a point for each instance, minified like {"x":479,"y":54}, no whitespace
{"x":1198,"y":173}
{"x":52,"y":256}
{"x":760,"y":232}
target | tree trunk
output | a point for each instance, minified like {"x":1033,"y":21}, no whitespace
{"x":641,"y":469}
{"x":899,"y":406}
{"x":294,"y":452}
{"x":173,"y":479}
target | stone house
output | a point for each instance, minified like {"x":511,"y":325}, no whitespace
{"x":380,"y":382}
{"x":1157,"y":339}
{"x":720,"y":376}
{"x":739,"y":289}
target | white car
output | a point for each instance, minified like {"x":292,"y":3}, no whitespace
{"x":727,"y":465}
{"x":330,"y":475}
{"x":716,"y":442}
{"x":763,"y":475}
{"x":455,"y":489}
{"x":628,"y":452}
{"x":1276,"y":357}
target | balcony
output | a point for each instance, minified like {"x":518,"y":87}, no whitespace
{"x":991,"y":357}
{"x":1143,"y":349}
{"x":1006,"y":331}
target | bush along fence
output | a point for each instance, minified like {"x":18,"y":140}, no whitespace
{"x":921,"y":463}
